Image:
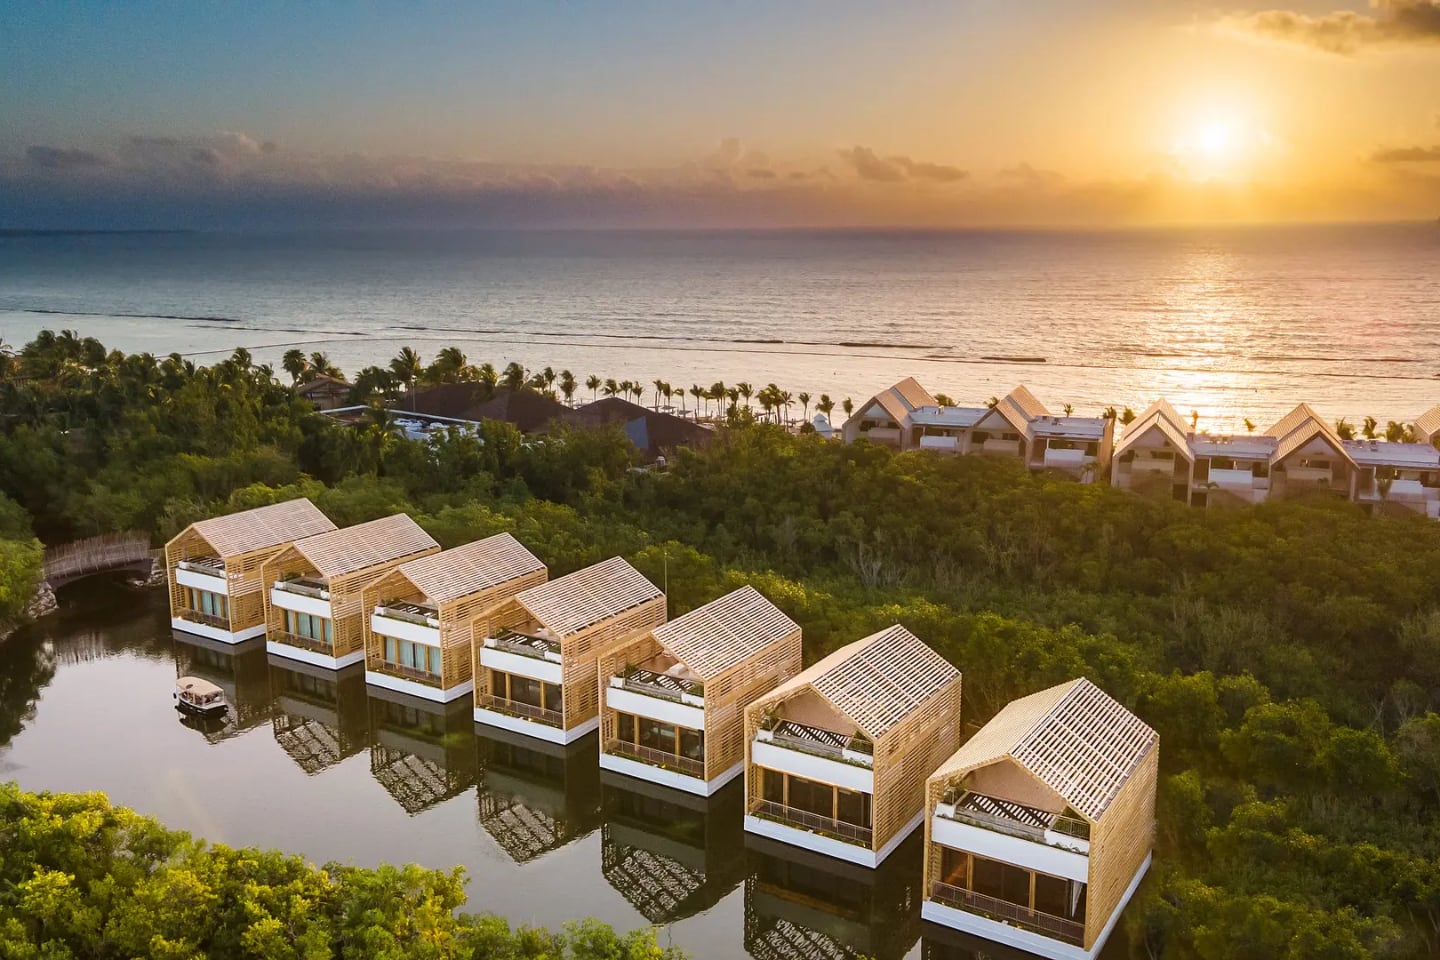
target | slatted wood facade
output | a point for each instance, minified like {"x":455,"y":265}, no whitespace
{"x":464,"y":583}
{"x":897,"y":691}
{"x":585,"y":611}
{"x":740,"y":647}
{"x":348,"y":560}
{"x":243,"y":541}
{"x":1096,"y":758}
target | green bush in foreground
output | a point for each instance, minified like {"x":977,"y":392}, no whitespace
{"x":82,"y":878}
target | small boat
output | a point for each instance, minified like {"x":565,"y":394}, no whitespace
{"x":199,"y":697}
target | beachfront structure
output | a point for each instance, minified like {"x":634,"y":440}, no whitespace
{"x":1300,"y":455}
{"x":836,"y":757}
{"x":214,"y":567}
{"x":1039,"y":829}
{"x":536,"y":654}
{"x":314,"y":611}
{"x":908,"y":417}
{"x":675,"y":697}
{"x":421,"y":615}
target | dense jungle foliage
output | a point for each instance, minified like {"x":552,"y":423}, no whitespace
{"x":1288,"y":654}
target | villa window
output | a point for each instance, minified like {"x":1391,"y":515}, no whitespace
{"x":416,"y":656}
{"x":311,"y":627}
{"x":822,"y":799}
{"x":535,"y":693}
{"x":665,"y":737}
{"x":1092,"y":449}
{"x":210,"y":604}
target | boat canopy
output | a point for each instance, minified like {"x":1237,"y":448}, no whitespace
{"x":194,"y":688}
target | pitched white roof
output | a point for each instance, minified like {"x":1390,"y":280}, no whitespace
{"x":1069,"y":428}
{"x":1299,"y":427}
{"x":461,"y":571}
{"x":586,"y":597}
{"x":1074,"y":738}
{"x":364,"y":545}
{"x":1161,"y":416}
{"x":947,"y":416}
{"x":876,"y":682}
{"x":1243,"y":446}
{"x":1382,"y":453}
{"x":713,"y":638}
{"x":268,"y":526}
{"x":1428,"y":423}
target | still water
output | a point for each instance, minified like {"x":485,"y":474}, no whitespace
{"x":315,"y":762}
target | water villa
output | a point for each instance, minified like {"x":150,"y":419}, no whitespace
{"x":1039,"y":828}
{"x":422,"y":614}
{"x":836,"y":757}
{"x":313,"y":610}
{"x":214,"y":567}
{"x":907,"y":417}
{"x":675,"y":697}
{"x":536,"y":654}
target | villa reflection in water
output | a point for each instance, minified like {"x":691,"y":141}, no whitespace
{"x":535,"y":797}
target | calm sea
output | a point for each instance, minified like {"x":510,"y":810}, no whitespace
{"x":1231,"y":323}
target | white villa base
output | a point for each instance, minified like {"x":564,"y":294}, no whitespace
{"x":313,"y":658}
{"x":217,"y":633}
{"x":1027,"y":940}
{"x":669,"y":778}
{"x":839,"y":849}
{"x":532,"y":728}
{"x":422,"y":690}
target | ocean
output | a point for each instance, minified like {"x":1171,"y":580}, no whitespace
{"x":1230,"y":323}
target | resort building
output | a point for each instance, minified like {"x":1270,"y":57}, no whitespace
{"x":1155,"y":456}
{"x":314,"y":611}
{"x":1039,"y":829}
{"x":675,"y":697}
{"x":421,"y":615}
{"x":1017,"y":425}
{"x":534,"y":796}
{"x":214,"y":567}
{"x":1309,"y":456}
{"x":1392,"y":477}
{"x":1427,"y":426}
{"x":836,"y":758}
{"x":536,"y":654}
{"x":670,"y":855}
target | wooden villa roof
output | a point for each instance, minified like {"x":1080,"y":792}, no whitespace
{"x":1428,"y":423}
{"x":364,"y":545}
{"x":900,"y":399}
{"x":876,"y":682}
{"x":580,"y":600}
{"x":1074,"y":738}
{"x":271,"y":526}
{"x":1019,"y":407}
{"x":724,"y":632}
{"x":1162,"y":416}
{"x":1299,"y":427}
{"x":461,"y":571}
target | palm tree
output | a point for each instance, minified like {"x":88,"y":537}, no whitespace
{"x":1127,"y":416}
{"x":514,"y":377}
{"x":567,"y":387}
{"x":548,"y":375}
{"x":407,"y":368}
{"x":993,"y":402}
{"x":697,"y":393}
{"x":611,"y":387}
{"x":1369,"y":429}
{"x":1069,"y":409}
{"x":825,"y":405}
{"x":320,"y":366}
{"x":1249,"y":425}
{"x":1194,"y":419}
{"x":746,"y":391}
{"x":848,"y":406}
{"x":487,"y":377}
{"x":659,"y":386}
{"x":294,"y":363}
{"x":1395,"y":432}
{"x":785,"y":400}
{"x":1344,"y":429}
{"x":804,"y":399}
{"x":448,"y":367}
{"x":593,"y":383}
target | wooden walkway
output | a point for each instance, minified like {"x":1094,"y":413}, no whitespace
{"x":110,"y":552}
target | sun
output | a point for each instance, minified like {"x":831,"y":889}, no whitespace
{"x":1218,"y":146}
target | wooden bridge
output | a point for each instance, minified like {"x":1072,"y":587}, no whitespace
{"x":127,"y":552}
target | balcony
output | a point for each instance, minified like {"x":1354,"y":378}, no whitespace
{"x":658,"y":758}
{"x":819,"y":742}
{"x":531,"y":645}
{"x":999,"y":447}
{"x":314,"y":587}
{"x":1056,"y":928}
{"x":941,"y":443}
{"x":212,"y":566}
{"x":414,"y":674}
{"x":208,"y":619}
{"x":302,"y":643}
{"x":889,"y":435}
{"x":516,"y":708}
{"x":420,"y":614}
{"x":1018,"y":820}
{"x":652,"y":684}
{"x":804,"y":819}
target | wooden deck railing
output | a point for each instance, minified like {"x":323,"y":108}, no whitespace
{"x":1058,"y":928}
{"x":304,"y":643}
{"x":407,"y":673}
{"x":660,"y":758}
{"x":552,"y":717}
{"x":111,"y":551}
{"x":208,"y":619}
{"x":840,"y":829}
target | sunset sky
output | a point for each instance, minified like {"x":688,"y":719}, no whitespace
{"x":1105,"y":113}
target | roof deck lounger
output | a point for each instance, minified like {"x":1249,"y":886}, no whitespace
{"x":675,"y":697}
{"x":421,"y":615}
{"x":213,"y":567}
{"x":535,"y":654}
{"x":313,"y":609}
{"x":836,"y":758}
{"x":1039,"y":829}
